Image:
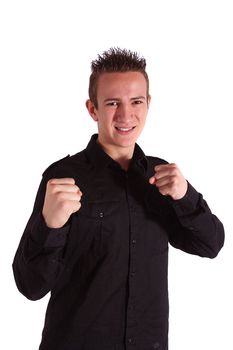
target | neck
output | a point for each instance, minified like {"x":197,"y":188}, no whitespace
{"x":122,"y":155}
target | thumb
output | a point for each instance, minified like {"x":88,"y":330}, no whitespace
{"x":152,"y":180}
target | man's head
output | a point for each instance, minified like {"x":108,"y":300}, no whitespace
{"x":115,"y":60}
{"x":119,"y":98}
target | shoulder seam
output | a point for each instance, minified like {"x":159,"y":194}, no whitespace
{"x":54,"y":164}
{"x":157,"y":159}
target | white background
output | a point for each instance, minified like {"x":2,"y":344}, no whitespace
{"x":46,"y":50}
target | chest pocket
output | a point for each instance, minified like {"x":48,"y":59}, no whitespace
{"x":95,"y":225}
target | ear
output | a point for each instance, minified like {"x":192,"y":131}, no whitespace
{"x":148,"y":100}
{"x":91,"y":110}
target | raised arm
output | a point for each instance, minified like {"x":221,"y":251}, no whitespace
{"x":38,"y":260}
{"x":192,"y":226}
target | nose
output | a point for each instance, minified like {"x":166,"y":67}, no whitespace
{"x":124,"y":113}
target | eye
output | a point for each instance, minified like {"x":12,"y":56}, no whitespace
{"x":112,"y":103}
{"x":137,"y":102}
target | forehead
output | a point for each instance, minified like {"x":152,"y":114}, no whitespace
{"x":121,"y":83}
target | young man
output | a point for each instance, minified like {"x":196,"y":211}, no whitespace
{"x":98,"y":236}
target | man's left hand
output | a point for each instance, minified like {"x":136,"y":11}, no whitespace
{"x":169,"y":180}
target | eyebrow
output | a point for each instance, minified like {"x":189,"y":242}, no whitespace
{"x":118,"y":99}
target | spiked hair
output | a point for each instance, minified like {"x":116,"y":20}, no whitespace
{"x":115,"y":60}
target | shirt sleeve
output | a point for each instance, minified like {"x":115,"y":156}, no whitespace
{"x":38,"y":261}
{"x":44,"y":236}
{"x":195,"y":229}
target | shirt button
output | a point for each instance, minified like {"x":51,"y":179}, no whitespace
{"x":134,"y":241}
{"x":132,"y":273}
{"x":101,"y":215}
{"x":131,"y":207}
{"x":130,"y":340}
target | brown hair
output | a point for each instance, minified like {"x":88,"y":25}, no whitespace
{"x":115,"y":60}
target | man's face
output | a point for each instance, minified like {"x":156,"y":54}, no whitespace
{"x":122,"y":108}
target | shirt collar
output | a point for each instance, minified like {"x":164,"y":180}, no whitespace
{"x":101,"y":159}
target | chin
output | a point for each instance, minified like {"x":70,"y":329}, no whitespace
{"x":125,"y":144}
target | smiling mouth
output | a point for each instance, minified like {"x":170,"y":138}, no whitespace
{"x":125,"y":130}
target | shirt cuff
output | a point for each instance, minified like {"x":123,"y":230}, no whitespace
{"x":45,"y":236}
{"x":187,"y":204}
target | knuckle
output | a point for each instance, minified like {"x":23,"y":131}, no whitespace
{"x":50,"y":182}
{"x":162,"y":191}
{"x":59,"y":196}
{"x":174,"y":180}
{"x":53,"y":187}
{"x":76,"y":207}
{"x":76,"y":188}
{"x":64,"y":205}
{"x":77,"y":197}
{"x":175,"y":171}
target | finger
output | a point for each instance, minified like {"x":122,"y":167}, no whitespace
{"x":168,"y":171}
{"x":165,"y":181}
{"x":64,"y":180}
{"x":152,"y":180}
{"x":61,"y":196}
{"x":65,"y":188}
{"x":165,"y":190}
{"x":165,"y":166}
{"x":75,"y":206}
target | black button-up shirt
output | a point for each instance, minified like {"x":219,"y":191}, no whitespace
{"x":106,"y":268}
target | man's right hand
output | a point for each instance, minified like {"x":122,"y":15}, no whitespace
{"x":62,"y":198}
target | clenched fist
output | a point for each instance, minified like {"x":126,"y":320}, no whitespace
{"x":62,"y":198}
{"x":169,"y":181}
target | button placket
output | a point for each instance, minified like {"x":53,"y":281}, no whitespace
{"x":131,"y":322}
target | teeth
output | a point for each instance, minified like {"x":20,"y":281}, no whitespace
{"x":124,"y":129}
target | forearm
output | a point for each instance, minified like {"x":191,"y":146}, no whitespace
{"x":199,"y":232}
{"x":38,"y":261}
